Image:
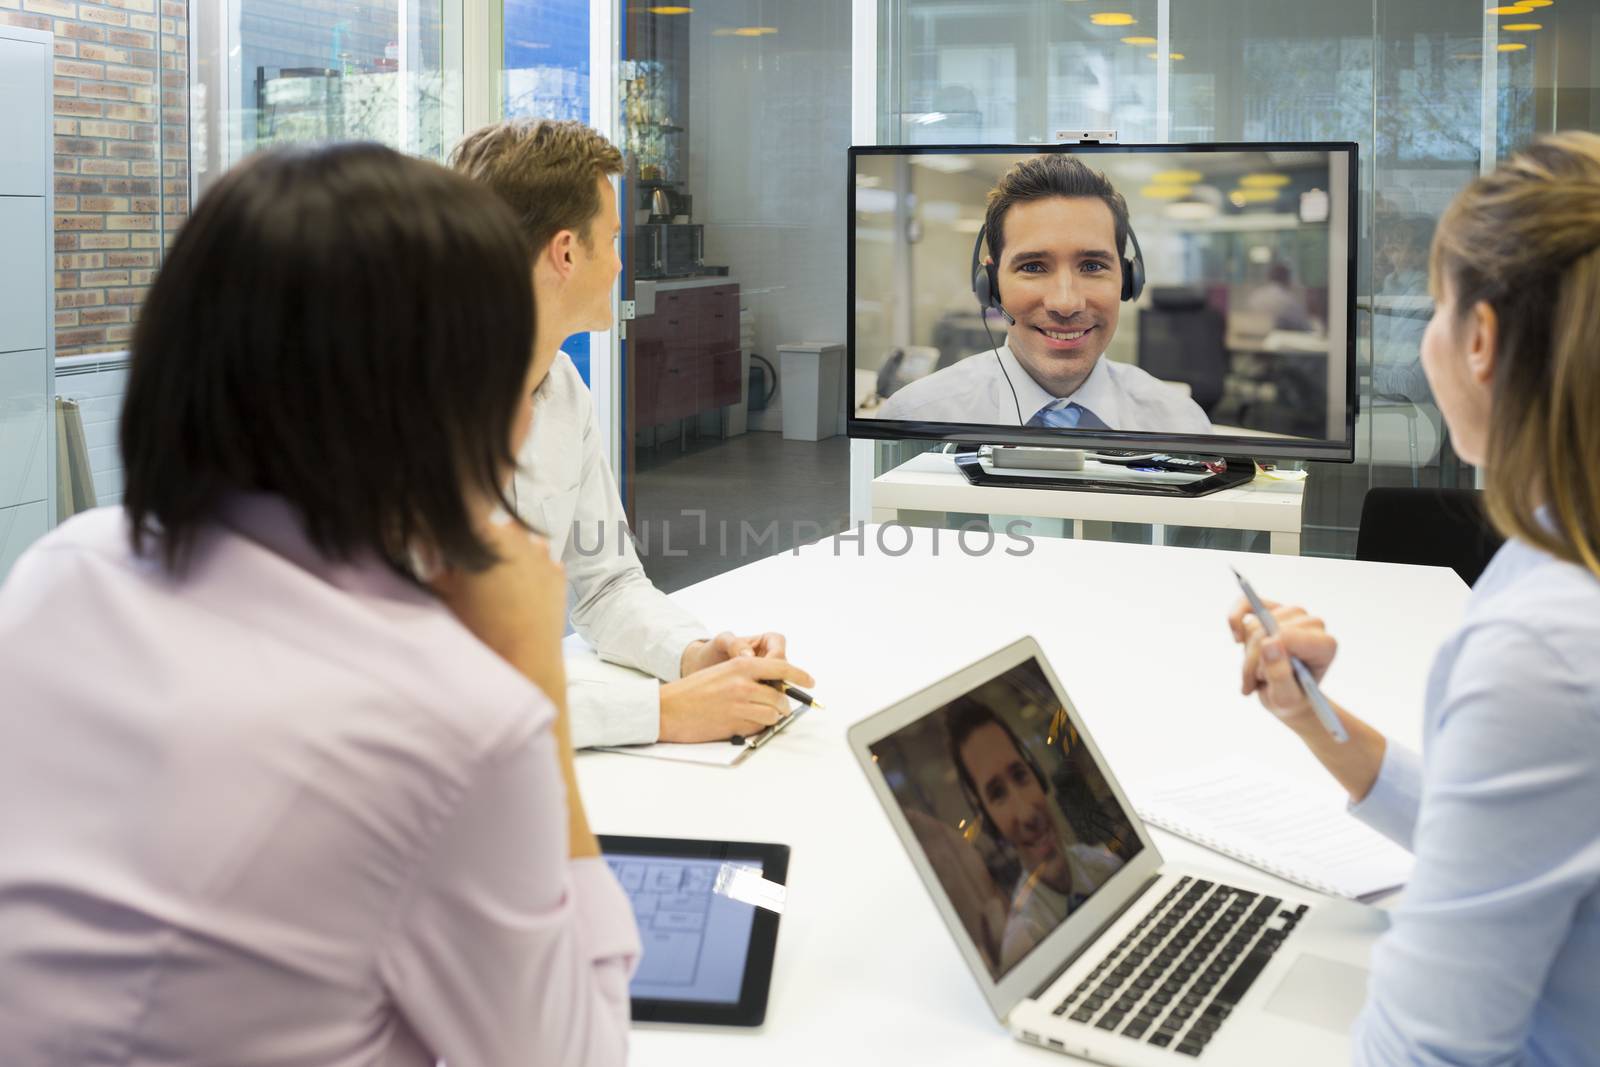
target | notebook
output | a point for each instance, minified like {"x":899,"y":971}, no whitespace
{"x":1297,"y":831}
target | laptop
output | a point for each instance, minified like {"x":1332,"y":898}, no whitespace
{"x":1082,"y":937}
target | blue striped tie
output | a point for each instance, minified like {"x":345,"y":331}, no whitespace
{"x":1068,"y":417}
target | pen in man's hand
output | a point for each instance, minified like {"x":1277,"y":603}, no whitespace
{"x":794,"y":694}
{"x":1308,"y":683}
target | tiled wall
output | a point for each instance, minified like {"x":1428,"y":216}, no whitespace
{"x":97,"y":384}
{"x":121,"y":163}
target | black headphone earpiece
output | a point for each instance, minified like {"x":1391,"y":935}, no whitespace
{"x":986,"y":280}
{"x":986,"y":276}
{"x":1133,"y":270}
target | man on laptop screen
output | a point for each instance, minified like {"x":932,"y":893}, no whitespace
{"x":1038,"y":819}
{"x":1020,"y":807}
{"x":1061,"y":260}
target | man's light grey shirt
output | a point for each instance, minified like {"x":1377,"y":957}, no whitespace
{"x":976,"y":390}
{"x":564,"y":488}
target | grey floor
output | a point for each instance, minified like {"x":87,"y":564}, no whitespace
{"x":724,"y":503}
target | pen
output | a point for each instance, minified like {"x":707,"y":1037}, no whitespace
{"x":1319,"y":703}
{"x":796,"y":694}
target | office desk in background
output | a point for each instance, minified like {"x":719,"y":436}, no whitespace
{"x":930,"y":482}
{"x":866,"y":972}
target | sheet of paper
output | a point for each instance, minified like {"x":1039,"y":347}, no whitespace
{"x":716,"y":753}
{"x":1287,"y":828}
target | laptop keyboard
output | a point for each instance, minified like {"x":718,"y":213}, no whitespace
{"x":1176,"y":977}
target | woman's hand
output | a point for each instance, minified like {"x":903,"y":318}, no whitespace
{"x":1266,"y":670}
{"x":517,"y":606}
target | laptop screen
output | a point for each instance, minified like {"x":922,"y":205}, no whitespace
{"x":1013,"y":814}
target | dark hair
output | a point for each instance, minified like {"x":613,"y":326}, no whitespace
{"x":346,"y":327}
{"x":1051,"y":174}
{"x":965,"y":717}
{"x":545,"y":169}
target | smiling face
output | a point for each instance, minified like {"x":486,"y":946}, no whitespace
{"x":1016,"y":802}
{"x":1061,"y":279}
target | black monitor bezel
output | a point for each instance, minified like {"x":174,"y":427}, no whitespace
{"x":750,"y":1009}
{"x":1323,"y":450}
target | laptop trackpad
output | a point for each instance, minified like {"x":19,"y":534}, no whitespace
{"x":1321,"y":992}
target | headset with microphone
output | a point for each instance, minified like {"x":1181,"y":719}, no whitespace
{"x":986,"y":287}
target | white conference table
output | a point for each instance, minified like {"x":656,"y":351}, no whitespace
{"x":866,"y":972}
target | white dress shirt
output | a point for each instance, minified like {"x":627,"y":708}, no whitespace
{"x":564,"y":488}
{"x":282,"y":811}
{"x":978,"y":390}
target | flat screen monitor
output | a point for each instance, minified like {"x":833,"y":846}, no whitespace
{"x":1192,"y":298}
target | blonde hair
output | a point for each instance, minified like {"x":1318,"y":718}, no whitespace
{"x":546,"y":170}
{"x":1525,"y":239}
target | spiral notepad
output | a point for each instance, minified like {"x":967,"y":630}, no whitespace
{"x":1295,"y":831}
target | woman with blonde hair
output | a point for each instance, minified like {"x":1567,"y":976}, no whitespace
{"x":1493,"y":955}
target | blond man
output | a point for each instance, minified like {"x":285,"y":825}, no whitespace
{"x":556,"y":176}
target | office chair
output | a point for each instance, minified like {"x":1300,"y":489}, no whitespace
{"x":1432,"y":527}
{"x":1181,"y":339}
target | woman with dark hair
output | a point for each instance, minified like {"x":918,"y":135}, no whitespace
{"x":1493,"y":955}
{"x":284,"y":747}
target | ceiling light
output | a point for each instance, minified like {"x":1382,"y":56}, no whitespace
{"x":1191,"y":211}
{"x":944,"y":164}
{"x":1263,"y":181}
{"x":1113,"y":18}
{"x":1241,"y":197}
{"x":1166,"y":192}
{"x":754,"y":31}
{"x":1176,"y":177}
{"x":1516,"y":47}
{"x":669,"y":10}
{"x":1535,"y":3}
{"x":1138,"y":40}
{"x":1510,"y":9}
{"x":1174,"y":56}
{"x":1523,"y":27}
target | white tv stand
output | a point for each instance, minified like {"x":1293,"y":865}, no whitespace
{"x":931,"y":482}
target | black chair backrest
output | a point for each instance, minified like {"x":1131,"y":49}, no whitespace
{"x":1181,"y":340}
{"x":1432,"y":527}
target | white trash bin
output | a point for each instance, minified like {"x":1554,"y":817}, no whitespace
{"x":811,"y":374}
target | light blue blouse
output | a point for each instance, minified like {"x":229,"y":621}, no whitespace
{"x":1494,"y":952}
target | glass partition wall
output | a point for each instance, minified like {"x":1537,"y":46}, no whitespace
{"x":1433,"y":92}
{"x":734,"y":116}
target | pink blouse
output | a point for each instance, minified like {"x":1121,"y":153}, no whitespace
{"x":281,"y":810}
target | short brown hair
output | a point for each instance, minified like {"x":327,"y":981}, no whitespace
{"x":1525,"y":239}
{"x":544,"y":169}
{"x":1052,"y":174}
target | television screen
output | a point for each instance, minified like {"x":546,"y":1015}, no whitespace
{"x":1187,"y":298}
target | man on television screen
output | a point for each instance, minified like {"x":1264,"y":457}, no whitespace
{"x":1056,"y":271}
{"x":1018,"y":805}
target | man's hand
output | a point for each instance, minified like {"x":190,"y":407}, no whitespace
{"x":714,"y":703}
{"x":725,"y":646}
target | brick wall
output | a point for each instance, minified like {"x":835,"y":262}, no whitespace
{"x":121,"y":155}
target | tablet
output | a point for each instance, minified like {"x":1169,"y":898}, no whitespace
{"x":707,"y":956}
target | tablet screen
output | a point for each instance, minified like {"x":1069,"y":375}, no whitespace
{"x":695,"y":941}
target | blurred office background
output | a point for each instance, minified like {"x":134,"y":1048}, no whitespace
{"x":736,"y":114}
